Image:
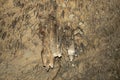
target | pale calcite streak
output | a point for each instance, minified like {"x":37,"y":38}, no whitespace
{"x":71,"y":51}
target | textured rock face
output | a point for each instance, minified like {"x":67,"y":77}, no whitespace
{"x":91,"y":25}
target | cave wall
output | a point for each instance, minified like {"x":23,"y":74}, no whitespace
{"x":97,"y":22}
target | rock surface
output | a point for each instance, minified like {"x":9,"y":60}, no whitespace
{"x":94,"y":23}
